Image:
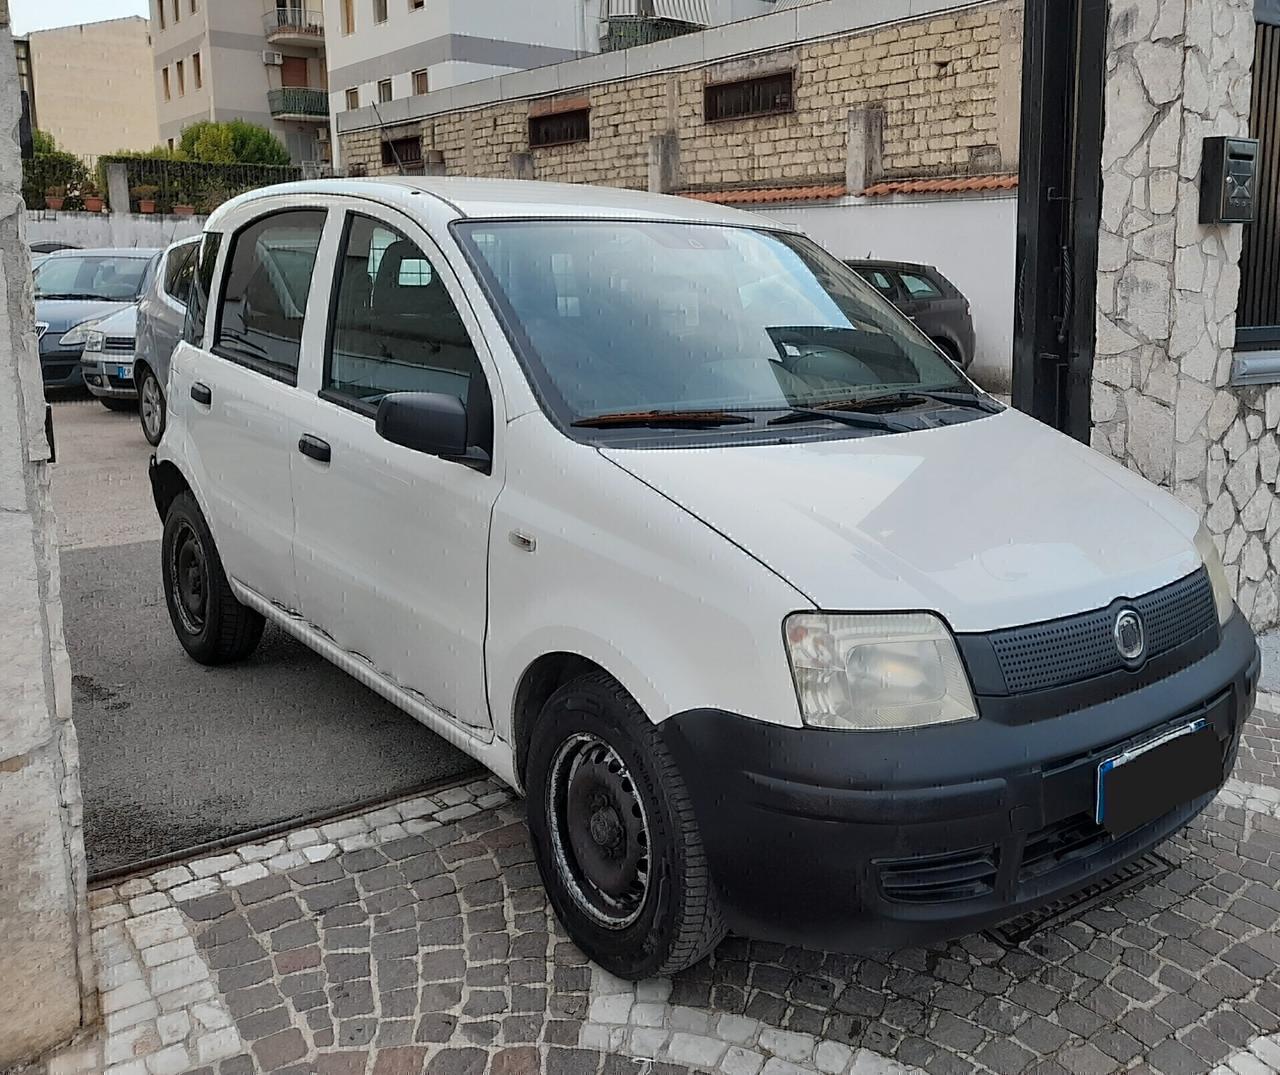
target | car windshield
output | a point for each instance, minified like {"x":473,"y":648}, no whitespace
{"x":103,"y":277}
{"x":631,"y":318}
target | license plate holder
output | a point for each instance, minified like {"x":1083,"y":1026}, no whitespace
{"x":125,"y":373}
{"x":1148,"y":780}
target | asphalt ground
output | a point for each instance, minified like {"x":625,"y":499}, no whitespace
{"x":176,"y":756}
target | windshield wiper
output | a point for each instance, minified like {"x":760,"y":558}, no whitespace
{"x":72,"y":296}
{"x":827,"y":413}
{"x":911,"y":397}
{"x":662,"y":419}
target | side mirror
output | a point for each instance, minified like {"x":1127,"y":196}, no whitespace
{"x":431,"y":423}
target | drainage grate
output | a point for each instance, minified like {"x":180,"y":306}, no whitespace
{"x":1144,"y":871}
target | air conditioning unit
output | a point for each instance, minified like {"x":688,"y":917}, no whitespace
{"x":273,"y":59}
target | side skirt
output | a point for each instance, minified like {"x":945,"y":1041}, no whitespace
{"x":494,"y":754}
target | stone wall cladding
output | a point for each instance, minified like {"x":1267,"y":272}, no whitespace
{"x":942,"y":81}
{"x":1178,"y":71}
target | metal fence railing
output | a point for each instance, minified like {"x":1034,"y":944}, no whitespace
{"x":290,"y":21}
{"x":155,"y":184}
{"x":298,"y":101}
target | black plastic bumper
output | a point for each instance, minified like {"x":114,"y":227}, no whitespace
{"x":865,"y":841}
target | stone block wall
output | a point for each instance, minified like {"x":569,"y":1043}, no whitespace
{"x":949,"y":86}
{"x":1178,"y":71}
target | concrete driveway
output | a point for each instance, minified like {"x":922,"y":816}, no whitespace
{"x":177,"y":756}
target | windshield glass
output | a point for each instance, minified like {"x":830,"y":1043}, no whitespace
{"x":105,"y":277}
{"x":621,"y":316}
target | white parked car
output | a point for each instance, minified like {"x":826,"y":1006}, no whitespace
{"x":780,"y":624}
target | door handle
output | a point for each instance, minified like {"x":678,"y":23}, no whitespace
{"x":201,"y":394}
{"x":315,"y":448}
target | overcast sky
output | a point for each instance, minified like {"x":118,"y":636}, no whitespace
{"x":31,"y":15}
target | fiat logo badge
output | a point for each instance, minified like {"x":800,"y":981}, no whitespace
{"x":1130,"y":636}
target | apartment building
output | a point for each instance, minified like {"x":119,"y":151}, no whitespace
{"x":383,"y":51}
{"x":92,"y":82}
{"x":258,"y":60}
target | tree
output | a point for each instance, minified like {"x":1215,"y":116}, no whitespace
{"x":232,"y":142}
{"x":43,"y":142}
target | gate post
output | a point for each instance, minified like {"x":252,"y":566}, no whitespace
{"x":1167,"y":285}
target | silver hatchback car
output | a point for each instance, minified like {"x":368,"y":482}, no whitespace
{"x":162,"y":311}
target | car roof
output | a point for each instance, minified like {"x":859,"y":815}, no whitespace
{"x":522,"y":198}
{"x":122,"y":252}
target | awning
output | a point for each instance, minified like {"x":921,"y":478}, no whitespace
{"x":691,"y":11}
{"x":1267,"y":11}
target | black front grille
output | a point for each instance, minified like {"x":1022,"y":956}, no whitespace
{"x":1076,"y":648}
{"x":1062,"y":842}
{"x":960,"y":875}
{"x":119,"y":344}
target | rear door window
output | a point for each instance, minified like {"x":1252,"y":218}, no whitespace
{"x":264,"y":297}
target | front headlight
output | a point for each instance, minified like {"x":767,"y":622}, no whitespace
{"x":876,"y":672}
{"x":1222,"y":595}
{"x":77,"y":336}
{"x":95,"y":340}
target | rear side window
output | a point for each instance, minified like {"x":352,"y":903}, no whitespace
{"x":203,"y":262}
{"x":880,"y":281}
{"x":918,"y":287}
{"x":395,"y":329}
{"x":179,"y":271}
{"x":264,"y":298}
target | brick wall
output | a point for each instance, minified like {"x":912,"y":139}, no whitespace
{"x":949,"y":86}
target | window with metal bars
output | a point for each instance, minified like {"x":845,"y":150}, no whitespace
{"x":403,"y":153}
{"x":560,"y":128}
{"x":768,"y":95}
{"x":1258,"y":317}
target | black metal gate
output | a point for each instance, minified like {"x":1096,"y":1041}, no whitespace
{"x":1258,"y":320}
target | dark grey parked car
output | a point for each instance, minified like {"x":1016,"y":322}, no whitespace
{"x":162,"y":311}
{"x":929,"y":299}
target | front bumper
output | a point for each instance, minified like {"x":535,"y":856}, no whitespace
{"x":868,"y":841}
{"x":101,"y":375}
{"x":60,"y":368}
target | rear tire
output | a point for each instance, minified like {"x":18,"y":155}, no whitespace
{"x":118,"y":404}
{"x":615,"y":835}
{"x":151,"y":407}
{"x":211,"y":624}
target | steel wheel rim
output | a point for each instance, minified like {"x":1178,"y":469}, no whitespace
{"x":151,"y":406}
{"x":189,"y":573}
{"x":600,"y":833}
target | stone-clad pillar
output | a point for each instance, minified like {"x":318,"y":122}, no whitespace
{"x":46,"y":990}
{"x":1177,"y":72}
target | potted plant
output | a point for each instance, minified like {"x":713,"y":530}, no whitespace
{"x":55,"y":196}
{"x":183,"y":209}
{"x":145,"y":196}
{"x":93,"y":202}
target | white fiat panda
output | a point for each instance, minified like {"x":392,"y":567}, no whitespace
{"x":781,"y":625}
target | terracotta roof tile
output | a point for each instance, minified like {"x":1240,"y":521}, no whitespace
{"x":969,"y":184}
{"x":766,"y":195}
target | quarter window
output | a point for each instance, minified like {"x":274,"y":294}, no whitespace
{"x":918,"y":287}
{"x":264,"y":299}
{"x":395,"y":329}
{"x":178,"y":273}
{"x":204,"y":260}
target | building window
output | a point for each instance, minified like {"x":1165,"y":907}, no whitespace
{"x":182,"y":78}
{"x":353,"y":100}
{"x":403,"y":153}
{"x":421,"y":83}
{"x":767,"y":96}
{"x":560,"y":128}
{"x":170,"y":141}
{"x":348,"y":16}
{"x":195,"y":6}
{"x":197,"y":70}
{"x":168,"y":89}
{"x":379,"y":10}
{"x":160,"y":12}
{"x":417,"y":5}
{"x":177,"y":11}
{"x":384,"y":91}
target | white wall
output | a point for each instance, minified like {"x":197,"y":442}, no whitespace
{"x":92,"y":230}
{"x":973,"y":241}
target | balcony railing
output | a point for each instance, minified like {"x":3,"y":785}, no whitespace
{"x":294,"y":22}
{"x":298,"y":101}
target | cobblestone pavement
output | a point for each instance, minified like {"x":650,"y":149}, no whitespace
{"x":417,"y":938}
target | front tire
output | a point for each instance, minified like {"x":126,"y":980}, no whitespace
{"x":211,"y":624}
{"x":151,"y":407}
{"x":615,"y":835}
